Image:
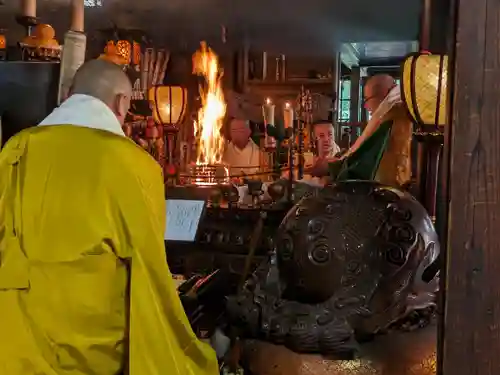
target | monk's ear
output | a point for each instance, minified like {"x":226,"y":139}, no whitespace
{"x":122,"y":105}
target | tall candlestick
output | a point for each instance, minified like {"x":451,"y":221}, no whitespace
{"x":28,"y":8}
{"x":264,"y":66}
{"x":77,"y":15}
{"x":283,"y":68}
{"x":288,"y":115}
{"x":268,"y":112}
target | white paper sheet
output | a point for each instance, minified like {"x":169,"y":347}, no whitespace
{"x":183,"y":218}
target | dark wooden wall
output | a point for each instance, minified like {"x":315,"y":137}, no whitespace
{"x":472,"y":310}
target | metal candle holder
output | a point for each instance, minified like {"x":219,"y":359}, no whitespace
{"x":303,"y":124}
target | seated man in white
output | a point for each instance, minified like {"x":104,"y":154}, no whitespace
{"x":324,"y":137}
{"x":243,"y":156}
{"x":323,"y":134}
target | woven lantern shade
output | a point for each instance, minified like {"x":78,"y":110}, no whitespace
{"x":424,"y":80}
{"x":169,"y":104}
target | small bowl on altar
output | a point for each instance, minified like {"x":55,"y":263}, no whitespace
{"x":276,"y":191}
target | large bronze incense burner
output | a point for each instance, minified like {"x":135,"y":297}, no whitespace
{"x":347,"y":265}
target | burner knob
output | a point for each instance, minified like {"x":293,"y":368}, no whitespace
{"x":269,"y":243}
{"x":206,"y":237}
{"x":220,"y":237}
{"x":239,"y":240}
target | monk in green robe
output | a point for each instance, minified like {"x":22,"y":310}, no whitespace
{"x":84,"y":284}
{"x":382,"y":99}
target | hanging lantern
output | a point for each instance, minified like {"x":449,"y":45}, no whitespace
{"x":169,"y":104}
{"x":424,"y":85}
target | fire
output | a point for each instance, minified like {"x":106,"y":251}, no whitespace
{"x":211,"y":115}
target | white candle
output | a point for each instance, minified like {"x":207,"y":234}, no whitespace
{"x":28,"y":8}
{"x":268,"y":112}
{"x":288,"y":115}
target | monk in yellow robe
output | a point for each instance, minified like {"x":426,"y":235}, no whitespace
{"x":84,"y":284}
{"x":382,"y":99}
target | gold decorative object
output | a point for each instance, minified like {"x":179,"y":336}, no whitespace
{"x":44,"y":36}
{"x":169,"y":104}
{"x":118,"y":53}
{"x":124,"y":49}
{"x":136,"y":53}
{"x":42,"y":44}
{"x":424,"y":88}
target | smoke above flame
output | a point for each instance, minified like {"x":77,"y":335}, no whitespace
{"x":210,"y":118}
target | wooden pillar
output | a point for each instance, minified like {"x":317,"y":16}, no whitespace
{"x":242,"y":68}
{"x":336,"y":76}
{"x":472,"y":318}
{"x":354,"y":95}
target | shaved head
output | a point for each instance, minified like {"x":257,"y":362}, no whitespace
{"x":240,"y":132}
{"x":107,"y":82}
{"x":376,"y":89}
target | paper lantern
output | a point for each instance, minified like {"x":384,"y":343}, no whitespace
{"x":424,"y":88}
{"x":169,"y":104}
{"x":3,"y":42}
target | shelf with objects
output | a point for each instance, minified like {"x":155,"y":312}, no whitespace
{"x":30,"y":70}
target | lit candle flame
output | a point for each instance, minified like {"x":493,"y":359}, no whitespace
{"x":268,"y":101}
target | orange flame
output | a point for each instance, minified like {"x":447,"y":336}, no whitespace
{"x":211,"y":115}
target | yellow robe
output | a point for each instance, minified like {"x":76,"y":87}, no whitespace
{"x":84,"y":284}
{"x":395,"y":166}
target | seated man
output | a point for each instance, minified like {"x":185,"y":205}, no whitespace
{"x":324,"y":135}
{"x":382,"y":98}
{"x":242,"y":155}
{"x":84,"y":283}
{"x":327,"y":149}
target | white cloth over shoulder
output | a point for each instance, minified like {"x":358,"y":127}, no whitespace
{"x":393,"y":98}
{"x":86,"y":111}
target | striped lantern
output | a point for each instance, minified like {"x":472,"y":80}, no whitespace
{"x":424,"y":85}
